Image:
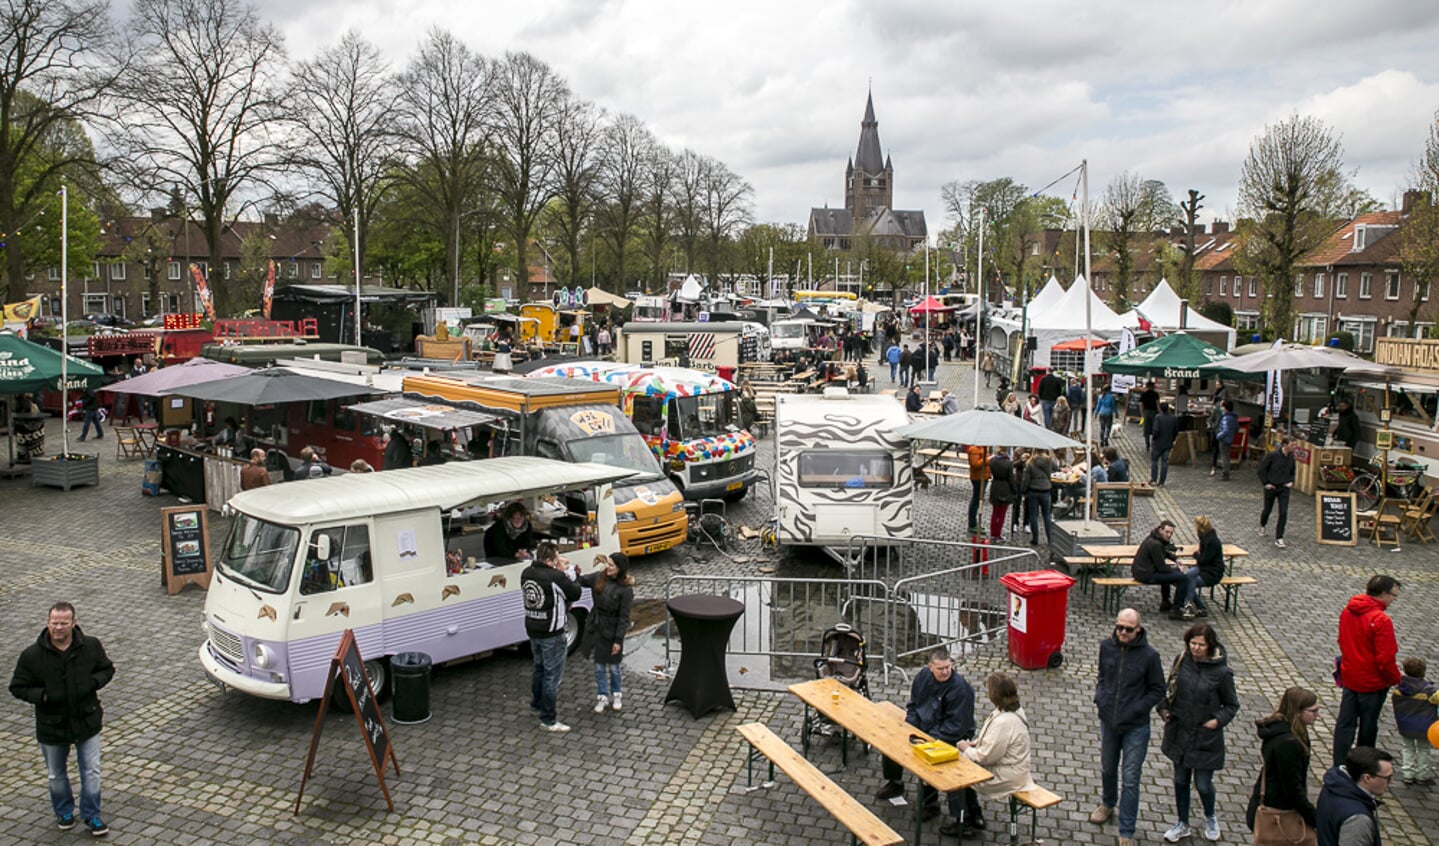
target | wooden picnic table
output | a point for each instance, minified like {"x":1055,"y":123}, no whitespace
{"x":1107,"y":557}
{"x":882,"y":726}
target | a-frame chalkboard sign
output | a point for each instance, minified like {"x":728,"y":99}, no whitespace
{"x":349,"y":670}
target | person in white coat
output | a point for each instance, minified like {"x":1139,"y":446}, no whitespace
{"x":1002,"y":747}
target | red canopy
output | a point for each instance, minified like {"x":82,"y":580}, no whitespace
{"x":1078,"y":344}
{"x":929,"y":305}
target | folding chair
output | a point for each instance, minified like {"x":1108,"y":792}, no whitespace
{"x":1417,"y":514}
{"x":127,"y":443}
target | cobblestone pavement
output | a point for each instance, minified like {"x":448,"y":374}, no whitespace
{"x":187,"y":764}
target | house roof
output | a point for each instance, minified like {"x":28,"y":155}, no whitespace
{"x":1379,"y":243}
{"x":829,"y":221}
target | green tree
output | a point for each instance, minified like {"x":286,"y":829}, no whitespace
{"x":1290,"y":189}
{"x":1419,"y":233}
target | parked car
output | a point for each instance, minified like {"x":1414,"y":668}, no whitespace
{"x":101,"y":318}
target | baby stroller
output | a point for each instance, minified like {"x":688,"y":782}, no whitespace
{"x":842,"y":659}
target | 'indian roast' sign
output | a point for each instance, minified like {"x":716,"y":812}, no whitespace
{"x":1408,"y":353}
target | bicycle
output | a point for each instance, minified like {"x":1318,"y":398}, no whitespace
{"x":1405,"y":482}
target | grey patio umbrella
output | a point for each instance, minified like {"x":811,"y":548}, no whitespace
{"x":988,"y":428}
{"x":271,"y":386}
{"x":166,"y":380}
{"x":1290,"y":357}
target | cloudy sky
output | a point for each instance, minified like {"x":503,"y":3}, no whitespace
{"x":962,"y":90}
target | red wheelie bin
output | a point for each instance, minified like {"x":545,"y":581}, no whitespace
{"x":1038,"y":603}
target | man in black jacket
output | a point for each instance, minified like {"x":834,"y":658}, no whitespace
{"x":1154,"y":565}
{"x":1347,"y":806}
{"x":61,"y":674}
{"x":941,"y":704}
{"x":1276,"y":473}
{"x":1131,"y":683}
{"x":549,"y":587}
{"x":1148,"y":410}
{"x":1051,"y":388}
{"x":1166,"y":432}
{"x":1347,"y":432}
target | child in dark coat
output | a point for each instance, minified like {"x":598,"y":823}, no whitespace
{"x":1416,"y":708}
{"x":614,"y":595}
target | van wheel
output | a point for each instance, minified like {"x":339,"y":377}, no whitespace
{"x":574,"y":630}
{"x":378,"y":669}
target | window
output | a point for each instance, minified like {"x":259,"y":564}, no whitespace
{"x":117,"y":271}
{"x":52,"y":273}
{"x":145,"y":304}
{"x":293,"y":271}
{"x":1360,"y":238}
{"x":1209,"y":286}
{"x":1298,"y":286}
{"x":96,"y":303}
{"x":94,"y":270}
{"x":1423,"y":330}
{"x":1366,"y":285}
{"x":1318,"y":286}
{"x":1311,"y":327}
{"x":830,"y":468}
{"x":174,"y":271}
{"x":648,"y":415}
{"x":118,"y":306}
{"x":1341,"y":286}
{"x":227,"y":270}
{"x":1363,"y":331}
{"x":317,"y":412}
{"x":1421,"y":291}
{"x":315,"y":270}
{"x":1224,"y":286}
{"x":1391,"y":284}
{"x":348,"y":564}
{"x":1254,"y":286}
{"x":1246,"y":320}
{"x":1398,"y":329}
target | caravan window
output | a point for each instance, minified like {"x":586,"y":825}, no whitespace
{"x":348,"y":565}
{"x":830,"y":468}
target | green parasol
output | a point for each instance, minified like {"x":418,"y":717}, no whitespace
{"x":1175,"y":356}
{"x":29,"y":368}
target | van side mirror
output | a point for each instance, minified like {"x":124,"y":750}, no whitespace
{"x":322,"y":547}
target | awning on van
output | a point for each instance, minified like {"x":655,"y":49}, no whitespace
{"x":430,"y":415}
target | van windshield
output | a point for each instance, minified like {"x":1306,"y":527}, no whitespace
{"x":703,"y":416}
{"x":260,"y":554}
{"x":628,"y":452}
{"x":786,"y":330}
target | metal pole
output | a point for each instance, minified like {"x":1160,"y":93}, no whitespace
{"x":65,"y":322}
{"x":979,"y":318}
{"x":1088,"y":330}
{"x":358,"y":336}
{"x":455,"y":303}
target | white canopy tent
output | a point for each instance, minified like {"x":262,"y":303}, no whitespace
{"x":1165,"y":310}
{"x":1064,"y":321}
{"x":1051,"y":293}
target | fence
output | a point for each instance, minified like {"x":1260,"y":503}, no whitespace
{"x":899,"y":595}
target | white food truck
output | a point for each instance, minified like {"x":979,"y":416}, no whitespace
{"x":397,"y":556}
{"x":841,"y":470}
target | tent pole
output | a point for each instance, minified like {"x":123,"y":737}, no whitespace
{"x":979,"y":318}
{"x":1088,"y":333}
{"x":64,"y":323}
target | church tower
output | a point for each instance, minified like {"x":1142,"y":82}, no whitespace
{"x":869,"y":176}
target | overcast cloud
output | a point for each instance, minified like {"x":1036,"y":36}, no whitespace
{"x":962,"y":90}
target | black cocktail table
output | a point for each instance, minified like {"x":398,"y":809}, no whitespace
{"x":704,"y":624}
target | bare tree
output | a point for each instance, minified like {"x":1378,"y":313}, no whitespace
{"x":1186,"y":283}
{"x":202,"y":110}
{"x":530,"y":100}
{"x":577,"y":136}
{"x":342,"y":101}
{"x":446,"y":115}
{"x":1419,"y":233}
{"x":50,"y":75}
{"x":727,"y":210}
{"x":657,"y":213}
{"x":1133,"y":209}
{"x":1291,"y":181}
{"x":621,"y":182}
{"x":689,"y":204}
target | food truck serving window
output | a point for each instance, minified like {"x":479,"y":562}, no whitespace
{"x":829,"y":468}
{"x":260,"y":554}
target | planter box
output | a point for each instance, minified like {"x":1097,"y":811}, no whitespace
{"x":65,"y":474}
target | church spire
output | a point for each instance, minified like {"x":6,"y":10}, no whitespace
{"x":868,"y":158}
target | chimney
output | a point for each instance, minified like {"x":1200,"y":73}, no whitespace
{"x":1198,"y":229}
{"x":1218,"y":227}
{"x":1413,"y":198}
{"x":158,"y":214}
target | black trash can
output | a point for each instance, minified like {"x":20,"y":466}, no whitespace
{"x":411,"y":672}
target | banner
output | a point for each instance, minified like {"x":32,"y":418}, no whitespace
{"x":268,"y":297}
{"x":1120,"y":383}
{"x":1274,"y":388}
{"x":202,"y":287}
{"x":25,"y":310}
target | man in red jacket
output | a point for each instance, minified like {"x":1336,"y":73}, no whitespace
{"x":1367,"y":668}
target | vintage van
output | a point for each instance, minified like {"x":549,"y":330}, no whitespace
{"x":840,"y":469}
{"x":689,"y":418}
{"x":376,"y":553}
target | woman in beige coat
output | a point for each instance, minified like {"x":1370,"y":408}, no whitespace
{"x":1002,"y":746}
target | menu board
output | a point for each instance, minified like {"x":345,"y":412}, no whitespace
{"x":348,"y":670}
{"x":1335,"y":520}
{"x":1132,"y":408}
{"x":1112,"y":502}
{"x":1318,"y":431}
{"x":185,"y":544}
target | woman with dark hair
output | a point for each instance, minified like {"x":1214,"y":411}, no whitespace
{"x":1002,"y":747}
{"x":510,"y":538}
{"x":1279,"y":808}
{"x":1199,"y":702}
{"x":1208,"y":569}
{"x":614,"y":594}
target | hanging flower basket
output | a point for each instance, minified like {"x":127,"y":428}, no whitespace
{"x":65,"y":471}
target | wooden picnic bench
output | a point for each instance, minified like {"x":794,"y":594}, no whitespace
{"x":1114,"y":589}
{"x":863,"y":825}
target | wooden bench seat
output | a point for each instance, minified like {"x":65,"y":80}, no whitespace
{"x":1035,"y":799}
{"x":863,"y":825}
{"x":1114,"y":589}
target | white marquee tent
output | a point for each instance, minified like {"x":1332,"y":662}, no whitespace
{"x":1163,"y":307}
{"x":1061,"y":319}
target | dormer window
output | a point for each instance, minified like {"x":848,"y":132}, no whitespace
{"x":1360,"y":231}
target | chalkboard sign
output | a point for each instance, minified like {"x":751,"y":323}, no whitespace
{"x":185,"y":543}
{"x":348,"y":669}
{"x":1318,"y":431}
{"x":1335,"y":521}
{"x":1132,"y":409}
{"x":1112,"y":502}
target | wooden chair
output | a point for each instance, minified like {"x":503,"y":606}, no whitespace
{"x":1416,"y":516}
{"x":127,"y":443}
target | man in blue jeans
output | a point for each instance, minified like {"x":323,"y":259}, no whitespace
{"x":549,"y":587}
{"x":61,"y":674}
{"x":1131,"y":683}
{"x":1166,"y":432}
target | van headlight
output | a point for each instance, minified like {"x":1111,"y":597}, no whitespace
{"x":624,"y":517}
{"x":263,"y":658}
